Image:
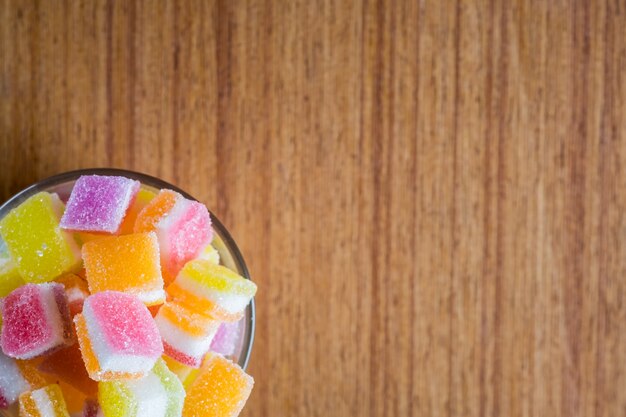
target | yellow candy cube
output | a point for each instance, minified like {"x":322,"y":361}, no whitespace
{"x":213,"y":290}
{"x":40,"y":250}
{"x":10,"y":279}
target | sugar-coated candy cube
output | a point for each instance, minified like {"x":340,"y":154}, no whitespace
{"x":227,"y":338}
{"x":186,"y":374}
{"x":209,"y":253}
{"x":128,"y":263}
{"x":67,"y":365}
{"x":118,"y":337}
{"x":213,"y":290}
{"x":16,"y":378}
{"x":159,"y":394}
{"x":40,"y":249}
{"x":187,"y":335}
{"x":10,"y":278}
{"x":182,"y":234}
{"x":76,"y":291}
{"x":184,"y":229}
{"x":36,"y":320}
{"x":220,"y":390}
{"x":144,"y":196}
{"x":152,"y":213}
{"x":99,"y":203}
{"x":43,"y":402}
{"x":173,"y":387}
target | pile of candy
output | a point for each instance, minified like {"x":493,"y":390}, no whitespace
{"x":116,"y":305}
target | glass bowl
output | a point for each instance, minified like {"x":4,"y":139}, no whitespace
{"x":223,"y":242}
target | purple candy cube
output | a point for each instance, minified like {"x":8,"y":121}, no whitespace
{"x":99,"y":203}
{"x":227,"y":338}
{"x":36,"y":320}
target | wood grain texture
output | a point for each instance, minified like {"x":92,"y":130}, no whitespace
{"x":430,"y":194}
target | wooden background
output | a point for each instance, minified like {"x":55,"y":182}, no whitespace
{"x":430,"y":194}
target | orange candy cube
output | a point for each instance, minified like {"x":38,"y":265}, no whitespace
{"x":67,"y":365}
{"x":141,"y":200}
{"x":152,"y":213}
{"x":44,"y":402}
{"x":220,"y":390}
{"x":128,"y":263}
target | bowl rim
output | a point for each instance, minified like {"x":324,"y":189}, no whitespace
{"x":58,"y":179}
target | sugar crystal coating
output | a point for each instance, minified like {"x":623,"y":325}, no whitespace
{"x":142,"y":199}
{"x":220,"y":390}
{"x":125,"y":324}
{"x":15,"y":379}
{"x":128,"y":263}
{"x":173,"y":387}
{"x":183,"y":228}
{"x":40,"y":250}
{"x":159,"y":394}
{"x":36,"y":320}
{"x":152,"y":213}
{"x":43,"y":402}
{"x":183,"y":234}
{"x":212,"y":289}
{"x":99,"y":203}
{"x":187,"y":335}
{"x":185,"y":374}
{"x":117,"y":336}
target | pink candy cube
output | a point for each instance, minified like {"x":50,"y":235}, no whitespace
{"x":183,"y":234}
{"x":36,"y":321}
{"x":182,"y":226}
{"x":118,"y":336}
{"x":98,"y":203}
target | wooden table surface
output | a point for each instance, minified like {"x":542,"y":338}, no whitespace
{"x":431,"y":195}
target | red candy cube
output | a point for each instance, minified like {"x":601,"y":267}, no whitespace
{"x":36,"y":320}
